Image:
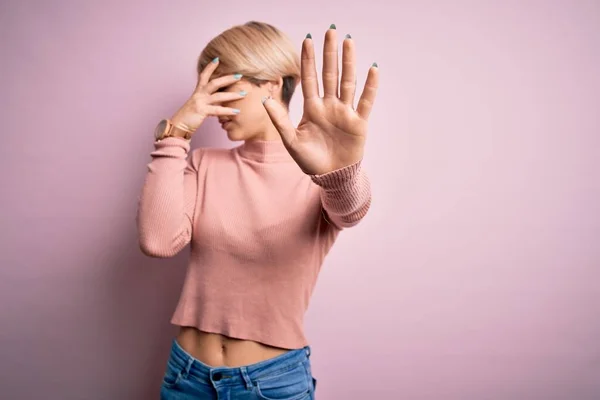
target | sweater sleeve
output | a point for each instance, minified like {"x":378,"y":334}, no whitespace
{"x":168,"y":199}
{"x":345,"y":195}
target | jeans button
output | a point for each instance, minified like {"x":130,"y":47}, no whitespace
{"x":217,"y":376}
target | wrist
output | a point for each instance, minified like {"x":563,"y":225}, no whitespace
{"x":178,"y":122}
{"x":166,"y":128}
{"x":179,"y":132}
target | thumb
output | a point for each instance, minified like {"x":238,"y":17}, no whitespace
{"x":281,"y":119}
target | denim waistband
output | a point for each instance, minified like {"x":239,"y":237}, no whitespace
{"x":232,"y":376}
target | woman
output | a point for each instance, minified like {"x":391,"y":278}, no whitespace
{"x":260,"y":217}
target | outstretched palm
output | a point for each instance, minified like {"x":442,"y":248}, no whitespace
{"x":331,"y":133}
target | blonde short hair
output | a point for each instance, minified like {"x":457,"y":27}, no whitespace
{"x":258,"y":51}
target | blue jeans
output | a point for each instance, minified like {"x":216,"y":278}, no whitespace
{"x":285,"y":377}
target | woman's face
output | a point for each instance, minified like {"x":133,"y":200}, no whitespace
{"x":252,"y":122}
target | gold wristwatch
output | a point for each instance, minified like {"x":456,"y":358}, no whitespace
{"x":165,"y":129}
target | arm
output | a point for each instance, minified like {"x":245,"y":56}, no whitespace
{"x":166,"y":206}
{"x":345,"y":195}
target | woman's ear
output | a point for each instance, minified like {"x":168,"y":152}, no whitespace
{"x":275,"y":88}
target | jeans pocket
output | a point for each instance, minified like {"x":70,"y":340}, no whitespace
{"x":292,"y":384}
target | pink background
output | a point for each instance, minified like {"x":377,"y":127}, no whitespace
{"x":476,"y":275}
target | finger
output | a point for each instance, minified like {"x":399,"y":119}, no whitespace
{"x":280,"y":118}
{"x":348,"y":83}
{"x":330,"y":64}
{"x":365,"y":104}
{"x":308,"y":70}
{"x":207,"y":73}
{"x":217,"y":83}
{"x":219,"y":111}
{"x":221,"y":97}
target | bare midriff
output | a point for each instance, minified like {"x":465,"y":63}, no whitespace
{"x":217,"y":350}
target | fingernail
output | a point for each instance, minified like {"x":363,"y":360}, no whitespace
{"x":308,"y":36}
{"x":332,"y":26}
{"x":375,"y":65}
{"x":215,"y":60}
{"x":236,"y":111}
{"x":348,"y":36}
{"x":264,"y":99}
{"x":243,"y":93}
{"x":237,"y":76}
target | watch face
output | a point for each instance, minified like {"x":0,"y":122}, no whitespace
{"x":160,"y":129}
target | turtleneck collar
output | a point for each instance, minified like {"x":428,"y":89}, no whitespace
{"x":265,"y":151}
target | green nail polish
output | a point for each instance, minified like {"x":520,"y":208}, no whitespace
{"x":375,"y":65}
{"x":236,"y":111}
{"x":308,"y":36}
{"x":348,"y":36}
{"x":237,"y":76}
{"x":215,"y":60}
{"x":243,"y":93}
{"x":332,"y":26}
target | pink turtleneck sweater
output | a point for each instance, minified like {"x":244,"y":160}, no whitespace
{"x":259,"y":229}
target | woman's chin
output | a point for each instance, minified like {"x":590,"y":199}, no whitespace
{"x":231,"y":136}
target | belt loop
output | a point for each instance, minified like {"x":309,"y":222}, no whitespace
{"x":246,"y":376}
{"x":188,"y":367}
{"x":307,"y":351}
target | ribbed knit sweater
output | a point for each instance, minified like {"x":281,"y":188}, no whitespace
{"x":258,"y":227}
